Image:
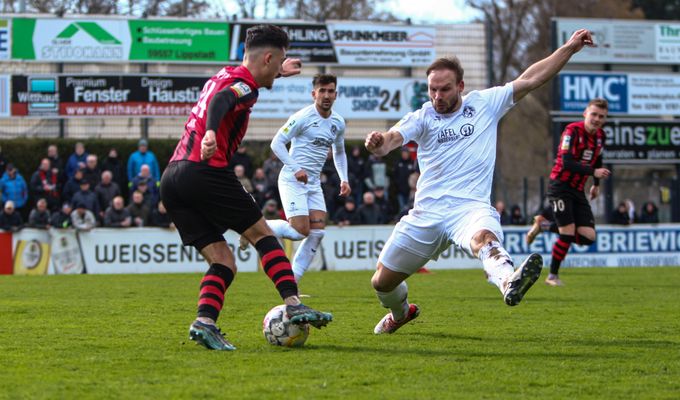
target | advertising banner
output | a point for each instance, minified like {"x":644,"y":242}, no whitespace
{"x":637,"y":141}
{"x":150,"y":250}
{"x":383,"y":45}
{"x":310,"y":43}
{"x":358,"y":98}
{"x":31,"y":251}
{"x":627,"y":93}
{"x":5,"y":96}
{"x":624,"y":41}
{"x":118,"y":40}
{"x":153,"y":95}
{"x":5,"y":39}
{"x":104,"y":95}
{"x":66,"y":257}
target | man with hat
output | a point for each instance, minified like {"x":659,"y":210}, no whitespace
{"x":82,"y":218}
{"x":140,"y":157}
{"x":86,"y":197}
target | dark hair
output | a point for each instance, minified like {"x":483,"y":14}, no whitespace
{"x":266,"y":36}
{"x":599,"y":102}
{"x":451,"y":63}
{"x":324,"y":79}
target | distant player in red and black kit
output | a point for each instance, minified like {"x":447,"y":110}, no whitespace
{"x":578,"y":157}
{"x":204,"y":198}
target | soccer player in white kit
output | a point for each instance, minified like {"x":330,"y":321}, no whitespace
{"x":456,"y":137}
{"x":311,"y":132}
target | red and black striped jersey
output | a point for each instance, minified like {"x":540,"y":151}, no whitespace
{"x":232,"y":127}
{"x":578,"y":155}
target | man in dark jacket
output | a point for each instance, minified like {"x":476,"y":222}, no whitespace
{"x":39,"y":216}
{"x":44,"y":184}
{"x":87,"y":198}
{"x":106,"y":190}
{"x":10,"y":220}
{"x":116,"y":215}
{"x":62,"y":218}
{"x":348,"y":214}
{"x":369,"y":212}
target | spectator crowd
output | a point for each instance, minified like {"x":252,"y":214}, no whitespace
{"x":83,"y":192}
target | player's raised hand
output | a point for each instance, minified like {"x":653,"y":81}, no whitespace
{"x":374,"y":141}
{"x":208,"y":145}
{"x":291,"y":66}
{"x":345,"y":190}
{"x":579,"y":39}
{"x":601,"y":173}
{"x":301,"y":176}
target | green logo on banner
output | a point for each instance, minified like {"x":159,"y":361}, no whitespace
{"x":91,"y":28}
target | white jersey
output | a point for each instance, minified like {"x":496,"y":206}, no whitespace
{"x":456,"y":152}
{"x":311,"y":136}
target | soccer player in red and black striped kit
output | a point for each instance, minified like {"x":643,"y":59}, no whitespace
{"x":578,"y":157}
{"x":204,"y":198}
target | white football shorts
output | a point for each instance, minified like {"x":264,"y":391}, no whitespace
{"x":298,"y":198}
{"x":422,"y":235}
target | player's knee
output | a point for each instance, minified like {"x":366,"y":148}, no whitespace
{"x":585,"y":240}
{"x":567,"y":238}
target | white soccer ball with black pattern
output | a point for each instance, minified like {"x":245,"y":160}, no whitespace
{"x":279,"y":331}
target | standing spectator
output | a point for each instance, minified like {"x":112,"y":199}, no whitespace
{"x":369,"y":212}
{"x":40,"y":215}
{"x":502,"y":212}
{"x":377,"y":173}
{"x":56,"y":162}
{"x":112,"y":163}
{"x":404,"y":168}
{"x":356,"y":171}
{"x":140,"y":157}
{"x":347,"y":215}
{"x":241,"y":157}
{"x":383,"y":204}
{"x":116,"y":215}
{"x":516,"y":217}
{"x":92,"y":173}
{"x":240,"y":173}
{"x":3,"y":161}
{"x":45,"y":184}
{"x":150,"y":198}
{"x":260,"y":187}
{"x":649,"y":214}
{"x":160,"y":218}
{"x":271,"y":210}
{"x":86,"y":197}
{"x":62,"y":218}
{"x":272,"y":167}
{"x":13,"y":187}
{"x":76,"y":161}
{"x":106,"y":190}
{"x":10,"y":220}
{"x":144,"y":175}
{"x":139,"y":211}
{"x":72,"y":186}
{"x":620,"y":215}
{"x":82,"y":219}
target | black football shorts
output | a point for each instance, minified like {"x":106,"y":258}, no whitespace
{"x":571,"y":207}
{"x":204,"y":202}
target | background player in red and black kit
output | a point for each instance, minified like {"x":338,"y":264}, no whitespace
{"x":204,"y":198}
{"x":578,"y":157}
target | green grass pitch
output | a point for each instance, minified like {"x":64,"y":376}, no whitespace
{"x":610,"y":333}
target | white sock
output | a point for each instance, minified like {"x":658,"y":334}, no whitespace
{"x":283,"y":229}
{"x":396,"y":301}
{"x":497,"y":263}
{"x":306,"y":252}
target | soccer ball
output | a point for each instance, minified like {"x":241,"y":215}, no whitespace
{"x":279,"y":331}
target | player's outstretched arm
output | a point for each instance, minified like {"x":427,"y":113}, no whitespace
{"x":290,"y":67}
{"x":542,"y":71}
{"x":381,"y":143}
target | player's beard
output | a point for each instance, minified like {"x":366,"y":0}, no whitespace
{"x":449,"y":109}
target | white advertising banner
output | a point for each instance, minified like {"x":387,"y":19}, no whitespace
{"x":624,"y":41}
{"x":66,"y":257}
{"x":358,"y":98}
{"x":358,"y":248}
{"x":383,"y":45}
{"x":150,"y":250}
{"x":31,"y":249}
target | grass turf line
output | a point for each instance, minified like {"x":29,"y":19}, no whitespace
{"x":610,"y":333}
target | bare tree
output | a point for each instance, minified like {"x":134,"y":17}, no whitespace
{"x":321,"y":10}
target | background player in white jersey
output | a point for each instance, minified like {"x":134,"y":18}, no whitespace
{"x":456,"y":139}
{"x":311,"y":132}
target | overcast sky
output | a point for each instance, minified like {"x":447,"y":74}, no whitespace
{"x":420,"y":11}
